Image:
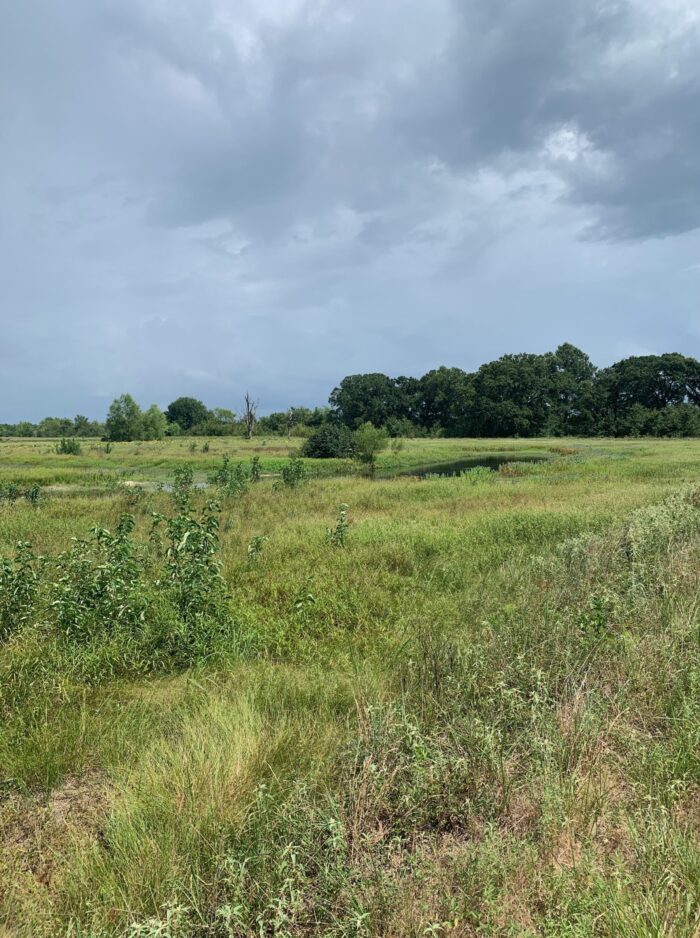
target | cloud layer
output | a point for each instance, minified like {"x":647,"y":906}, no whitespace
{"x":203,"y":197}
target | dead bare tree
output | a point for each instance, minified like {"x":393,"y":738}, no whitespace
{"x":291,"y":420}
{"x":250,"y":411}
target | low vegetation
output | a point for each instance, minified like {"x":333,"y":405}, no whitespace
{"x":245,"y":693}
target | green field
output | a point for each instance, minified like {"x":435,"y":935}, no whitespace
{"x":473,"y":711}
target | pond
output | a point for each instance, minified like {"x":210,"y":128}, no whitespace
{"x":484,"y":461}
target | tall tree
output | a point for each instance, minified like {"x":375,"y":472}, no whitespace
{"x":514,"y":395}
{"x":368,"y":398}
{"x":574,"y":403}
{"x":153,"y":424}
{"x":654,"y":381}
{"x":124,"y":419}
{"x":187,"y":412}
{"x":446,"y":401}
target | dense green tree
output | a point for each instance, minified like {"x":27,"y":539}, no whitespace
{"x":55,"y":426}
{"x":124,"y":419}
{"x":652,"y":381}
{"x":369,"y":398}
{"x":574,"y":403}
{"x":446,"y":400}
{"x":188,"y":412}
{"x":514,"y":396}
{"x":153,"y":424}
{"x":678,"y":420}
{"x":331,"y":440}
{"x":219,"y":422}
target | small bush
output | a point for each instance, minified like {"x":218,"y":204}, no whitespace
{"x":9,"y":492}
{"x":369,"y":442}
{"x":255,"y":547}
{"x":19,"y":581}
{"x":330,"y":441}
{"x":68,"y":446}
{"x":294,"y":473}
{"x":231,"y":478}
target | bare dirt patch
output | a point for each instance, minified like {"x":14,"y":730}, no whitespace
{"x":35,"y":830}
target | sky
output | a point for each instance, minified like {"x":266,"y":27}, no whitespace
{"x":204,"y":197}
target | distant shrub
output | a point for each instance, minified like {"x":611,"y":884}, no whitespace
{"x":33,"y":494}
{"x":330,"y":441}
{"x":255,"y":469}
{"x":9,"y":492}
{"x":68,"y":446}
{"x":231,"y":478}
{"x":294,"y":473}
{"x":369,"y":442}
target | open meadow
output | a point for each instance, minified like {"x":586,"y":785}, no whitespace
{"x":284,"y":698}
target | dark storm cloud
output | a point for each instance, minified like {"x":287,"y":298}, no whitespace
{"x":197,"y":196}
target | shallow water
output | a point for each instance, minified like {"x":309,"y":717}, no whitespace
{"x":475,"y":462}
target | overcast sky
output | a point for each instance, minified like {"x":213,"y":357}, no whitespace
{"x":207,"y":196}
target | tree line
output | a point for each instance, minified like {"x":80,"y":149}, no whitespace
{"x":554,"y":394}
{"x":560,"y":393}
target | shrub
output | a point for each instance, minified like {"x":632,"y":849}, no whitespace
{"x":369,"y":442}
{"x":19,"y":580}
{"x":191,"y":566}
{"x":9,"y":492}
{"x":294,"y":472}
{"x":255,"y":547}
{"x":231,"y":478}
{"x":68,"y":446}
{"x":98,"y":586}
{"x":330,"y":441}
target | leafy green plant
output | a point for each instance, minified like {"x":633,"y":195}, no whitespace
{"x":337,"y":535}
{"x":369,"y":442}
{"x":9,"y":492}
{"x":294,"y":473}
{"x":192,"y":569}
{"x":231,"y":478}
{"x":68,"y":446}
{"x":304,"y":599}
{"x":255,"y":469}
{"x":98,"y":585}
{"x":330,"y":440}
{"x":182,"y":484}
{"x":33,"y":494}
{"x":255,"y":547}
{"x":19,"y":580}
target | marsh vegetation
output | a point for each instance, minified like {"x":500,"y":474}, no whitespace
{"x":307,"y":700}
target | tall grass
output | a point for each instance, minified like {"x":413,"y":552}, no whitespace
{"x":478,"y":717}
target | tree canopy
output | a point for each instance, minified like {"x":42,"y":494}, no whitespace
{"x":555,"y":393}
{"x":187,"y":412}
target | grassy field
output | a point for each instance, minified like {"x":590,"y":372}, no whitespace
{"x":469,"y":706}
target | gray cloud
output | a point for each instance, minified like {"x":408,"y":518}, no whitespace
{"x":203,"y":197}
